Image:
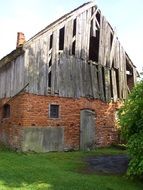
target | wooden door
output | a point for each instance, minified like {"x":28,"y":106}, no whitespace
{"x":87,"y":129}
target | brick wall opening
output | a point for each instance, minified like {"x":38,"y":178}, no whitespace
{"x":6,"y":111}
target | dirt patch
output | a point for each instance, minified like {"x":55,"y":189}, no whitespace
{"x":115,"y":164}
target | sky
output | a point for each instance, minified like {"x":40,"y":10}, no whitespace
{"x":31,"y":16}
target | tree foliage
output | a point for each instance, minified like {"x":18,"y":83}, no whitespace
{"x":131,"y":122}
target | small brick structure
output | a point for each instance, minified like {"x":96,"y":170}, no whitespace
{"x":28,"y":110}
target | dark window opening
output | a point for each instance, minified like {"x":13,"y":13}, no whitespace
{"x":111,"y":40}
{"x":54,"y":111}
{"x":49,"y":79}
{"x":111,"y":84}
{"x":61,"y":38}
{"x":6,"y":111}
{"x":50,"y":62}
{"x":117,"y":82}
{"x":73,"y":48}
{"x":94,"y":47}
{"x":51,"y":41}
{"x":74,"y":27}
{"x":98,"y":17}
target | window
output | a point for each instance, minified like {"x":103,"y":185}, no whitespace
{"x":54,"y":111}
{"x":49,"y":79}
{"x":61,"y":38}
{"x":6,"y":111}
{"x":51,"y":41}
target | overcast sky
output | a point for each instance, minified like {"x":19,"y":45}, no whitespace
{"x":31,"y":16}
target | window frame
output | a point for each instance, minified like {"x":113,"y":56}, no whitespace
{"x":54,"y":104}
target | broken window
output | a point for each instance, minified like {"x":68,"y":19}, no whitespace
{"x":94,"y":47}
{"x":6,"y":111}
{"x":54,"y":111}
{"x":50,"y":62}
{"x":74,"y":27}
{"x":98,"y":17}
{"x":61,"y":38}
{"x":49,"y":79}
{"x":51,"y":41}
{"x":74,"y":34}
{"x":73,"y":48}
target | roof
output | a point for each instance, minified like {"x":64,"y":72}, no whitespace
{"x":11,"y":56}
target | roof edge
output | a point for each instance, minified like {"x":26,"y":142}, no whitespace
{"x":11,"y":56}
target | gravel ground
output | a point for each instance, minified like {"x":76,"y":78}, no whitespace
{"x":108,"y":164}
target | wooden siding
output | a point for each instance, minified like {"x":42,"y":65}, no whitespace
{"x":12,"y":77}
{"x":61,"y":61}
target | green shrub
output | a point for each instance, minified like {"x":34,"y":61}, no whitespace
{"x":135,"y":148}
{"x":131,"y":122}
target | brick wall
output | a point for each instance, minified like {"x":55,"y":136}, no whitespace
{"x":33,"y":110}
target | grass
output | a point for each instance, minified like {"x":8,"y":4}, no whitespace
{"x":57,"y":171}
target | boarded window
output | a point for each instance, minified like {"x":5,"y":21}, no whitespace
{"x":6,"y":111}
{"x":54,"y":111}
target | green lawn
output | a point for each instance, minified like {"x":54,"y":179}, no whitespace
{"x":57,"y":171}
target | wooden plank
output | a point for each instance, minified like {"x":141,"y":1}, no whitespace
{"x":107,"y":84}
{"x":88,"y":87}
{"x":100,"y":56}
{"x":88,"y":25}
{"x":54,"y":68}
{"x":26,"y":65}
{"x":68,"y":37}
{"x":94,"y":81}
{"x":79,"y":87}
{"x":78,"y":36}
{"x":31,"y":67}
{"x":83,"y":41}
{"x":106,"y":42}
{"x":83,"y":73}
{"x":12,"y":79}
{"x":121,"y":74}
{"x":42,"y":68}
{"x":114,"y":85}
{"x":124,"y":75}
{"x":117,"y":53}
{"x":100,"y":81}
{"x":62,"y":87}
{"x":94,"y":12}
{"x":134,"y":75}
{"x":3,"y":82}
{"x":112,"y":52}
{"x":108,"y":45}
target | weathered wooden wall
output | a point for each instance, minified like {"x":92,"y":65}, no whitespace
{"x":12,"y":77}
{"x":58,"y":60}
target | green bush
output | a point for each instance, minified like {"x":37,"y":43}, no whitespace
{"x":131,"y":122}
{"x":135,"y":148}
